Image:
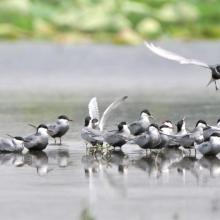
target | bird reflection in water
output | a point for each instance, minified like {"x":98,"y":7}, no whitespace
{"x":94,"y":162}
{"x":187,"y":164}
{"x":158,"y":163}
{"x":210,"y":163}
{"x":40,"y":160}
{"x":12,"y":159}
{"x":61,"y":157}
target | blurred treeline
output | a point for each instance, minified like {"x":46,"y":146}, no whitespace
{"x":117,"y":21}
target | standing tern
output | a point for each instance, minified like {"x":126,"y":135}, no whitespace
{"x":211,"y":146}
{"x":148,"y":140}
{"x":139,"y":127}
{"x":215,"y":69}
{"x":118,"y":137}
{"x":59,"y":128}
{"x":91,"y":135}
{"x":39,"y":140}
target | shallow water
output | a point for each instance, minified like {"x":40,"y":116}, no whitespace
{"x":64,"y":182}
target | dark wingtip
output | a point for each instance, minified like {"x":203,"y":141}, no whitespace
{"x":125,"y":97}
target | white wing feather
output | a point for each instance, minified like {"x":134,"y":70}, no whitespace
{"x":93,"y":108}
{"x":108,"y":110}
{"x":172,"y":56}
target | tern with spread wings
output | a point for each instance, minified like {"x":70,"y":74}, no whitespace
{"x":93,"y":130}
{"x":94,"y":112}
{"x":215,"y":69}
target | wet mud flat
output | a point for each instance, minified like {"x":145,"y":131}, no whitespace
{"x":68,"y":182}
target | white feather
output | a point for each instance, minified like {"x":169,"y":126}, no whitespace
{"x":108,"y":110}
{"x":93,"y":108}
{"x":172,"y":56}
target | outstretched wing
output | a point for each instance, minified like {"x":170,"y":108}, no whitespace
{"x":93,"y":108}
{"x":172,"y":56}
{"x":107,"y":112}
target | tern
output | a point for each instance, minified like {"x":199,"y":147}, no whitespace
{"x":215,"y":69}
{"x":15,"y":144}
{"x":210,"y":147}
{"x":139,"y":127}
{"x":94,"y":112}
{"x":59,"y":128}
{"x":118,"y":137}
{"x":89,"y":134}
{"x":149,"y":139}
{"x":39,"y":140}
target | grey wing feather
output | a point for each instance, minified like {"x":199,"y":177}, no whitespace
{"x":172,"y":56}
{"x":53,"y":129}
{"x":93,"y":108}
{"x":141,"y":140}
{"x":30,"y":141}
{"x":136,"y":128}
{"x":107,"y":112}
{"x":90,"y":136}
{"x":6,"y":145}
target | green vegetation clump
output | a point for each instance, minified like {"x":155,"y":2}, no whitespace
{"x":115,"y":21}
{"x":86,"y":215}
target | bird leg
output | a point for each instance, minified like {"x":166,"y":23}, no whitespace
{"x":55,"y":141}
{"x":60,"y":141}
{"x":216,"y":87}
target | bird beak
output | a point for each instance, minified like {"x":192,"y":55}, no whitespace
{"x":151,"y":116}
{"x":70,"y":120}
{"x":33,"y":126}
{"x":49,"y":130}
{"x":9,"y":135}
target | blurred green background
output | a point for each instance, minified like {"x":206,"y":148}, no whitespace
{"x":115,"y":21}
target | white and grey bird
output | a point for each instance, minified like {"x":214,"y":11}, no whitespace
{"x":94,"y":112}
{"x":89,"y":134}
{"x":181,"y":127}
{"x":149,"y":139}
{"x":207,"y":129}
{"x":187,"y":140}
{"x":166,"y":129}
{"x":211,"y":146}
{"x":119,"y":137}
{"x":39,"y":140}
{"x":59,"y":128}
{"x":139,"y":127}
{"x":215,"y":69}
{"x":15,"y":144}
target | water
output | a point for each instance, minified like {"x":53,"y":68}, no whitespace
{"x":41,"y":81}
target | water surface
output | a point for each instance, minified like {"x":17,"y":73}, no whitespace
{"x":41,"y":81}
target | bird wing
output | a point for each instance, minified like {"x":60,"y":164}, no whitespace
{"x":172,"y":56}
{"x":90,"y":135}
{"x":108,"y":110}
{"x":53,"y":129}
{"x":136,"y":128}
{"x":6,"y":145}
{"x":93,"y":108}
{"x":30,"y":141}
